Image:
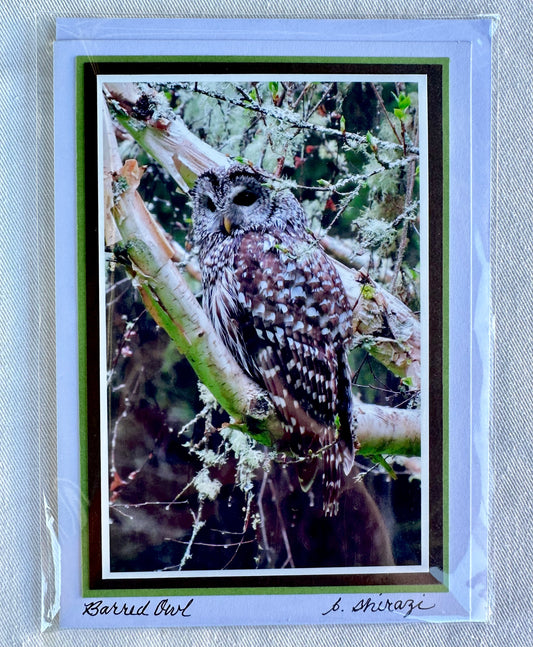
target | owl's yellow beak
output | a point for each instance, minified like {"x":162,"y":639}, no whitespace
{"x":227,"y":224}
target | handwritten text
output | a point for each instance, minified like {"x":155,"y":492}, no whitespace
{"x":380,"y":604}
{"x":149,"y":608}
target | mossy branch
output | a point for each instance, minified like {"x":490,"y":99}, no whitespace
{"x":385,"y":430}
{"x":287,"y":116}
{"x":162,"y":134}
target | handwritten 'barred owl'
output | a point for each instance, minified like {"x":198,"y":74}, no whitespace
{"x":278,"y":304}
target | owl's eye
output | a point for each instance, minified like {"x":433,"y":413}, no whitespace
{"x":209,"y":203}
{"x":245,"y":198}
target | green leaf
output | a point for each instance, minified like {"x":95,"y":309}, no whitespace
{"x":273,"y":86}
{"x":380,"y":460}
{"x":370,"y":139}
{"x":398,"y":112}
{"x":404,"y":101}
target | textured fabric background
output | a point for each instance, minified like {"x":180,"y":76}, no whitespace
{"x":27,"y":341}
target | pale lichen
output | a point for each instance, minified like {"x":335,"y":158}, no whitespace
{"x":207,"y":487}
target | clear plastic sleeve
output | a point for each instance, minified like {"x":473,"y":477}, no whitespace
{"x":182,"y":498}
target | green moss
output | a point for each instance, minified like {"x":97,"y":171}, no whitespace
{"x":367,"y":291}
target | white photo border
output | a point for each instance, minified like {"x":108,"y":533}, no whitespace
{"x":421,"y":82}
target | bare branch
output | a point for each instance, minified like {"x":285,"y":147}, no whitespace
{"x":354,"y":139}
{"x":342,"y":252}
{"x":376,"y":310}
{"x":385,"y":112}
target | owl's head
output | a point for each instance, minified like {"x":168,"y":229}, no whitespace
{"x":228,"y":202}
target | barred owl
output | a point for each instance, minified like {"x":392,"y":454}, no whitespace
{"x":278,"y":304}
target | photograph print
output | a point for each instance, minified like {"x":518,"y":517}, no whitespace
{"x":264,"y":324}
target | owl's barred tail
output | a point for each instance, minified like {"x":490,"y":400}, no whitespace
{"x":336,"y":461}
{"x":306,"y":473}
{"x":334,"y":458}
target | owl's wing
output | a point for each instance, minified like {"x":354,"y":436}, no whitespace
{"x":294,"y":321}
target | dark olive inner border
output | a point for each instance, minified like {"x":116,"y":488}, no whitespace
{"x":87,"y":97}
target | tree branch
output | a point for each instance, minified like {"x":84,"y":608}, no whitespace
{"x":385,"y":430}
{"x":162,"y":134}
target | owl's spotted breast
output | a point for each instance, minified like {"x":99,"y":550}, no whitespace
{"x":296,"y":295}
{"x":298,"y":308}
